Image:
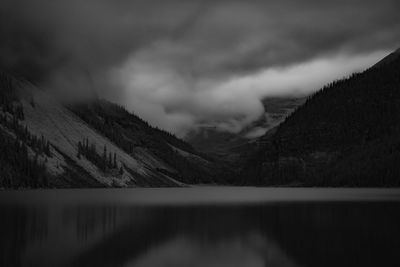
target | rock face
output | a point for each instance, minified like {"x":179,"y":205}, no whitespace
{"x":347,"y":134}
{"x":86,"y":145}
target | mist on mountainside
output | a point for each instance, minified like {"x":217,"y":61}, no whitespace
{"x":181,"y":65}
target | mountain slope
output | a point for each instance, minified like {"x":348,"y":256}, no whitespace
{"x":388,"y":59}
{"x":229,"y":145}
{"x":348,"y":134}
{"x":73,"y":152}
{"x":136,"y":137}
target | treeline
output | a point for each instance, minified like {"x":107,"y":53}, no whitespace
{"x":130,"y":133}
{"x":113,"y":121}
{"x":8,"y":98}
{"x":7,"y":89}
{"x":105,"y":162}
{"x":38,"y":145}
{"x":18,"y":166}
{"x":346,"y":134}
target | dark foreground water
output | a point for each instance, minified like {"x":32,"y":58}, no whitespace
{"x":204,"y":227}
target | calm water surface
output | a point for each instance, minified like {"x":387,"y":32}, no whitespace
{"x":205,"y":227}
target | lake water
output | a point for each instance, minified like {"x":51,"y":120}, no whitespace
{"x":207,"y":227}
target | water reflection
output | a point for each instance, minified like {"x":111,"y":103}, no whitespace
{"x":264,"y":234}
{"x":251,"y":250}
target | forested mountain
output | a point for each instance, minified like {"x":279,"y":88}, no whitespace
{"x":133,"y":135}
{"x":346,"y":134}
{"x":98,"y":144}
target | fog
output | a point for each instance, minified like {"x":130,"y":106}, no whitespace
{"x":183,"y":64}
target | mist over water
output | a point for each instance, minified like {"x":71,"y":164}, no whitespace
{"x":241,"y":227}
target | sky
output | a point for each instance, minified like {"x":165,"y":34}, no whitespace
{"x":183,"y":64}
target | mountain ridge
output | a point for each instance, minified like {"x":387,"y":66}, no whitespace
{"x":346,"y":134}
{"x":73,"y":152}
{"x":389,"y":58}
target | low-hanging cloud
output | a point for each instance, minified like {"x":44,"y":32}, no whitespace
{"x":179,"y":103}
{"x":184,"y":64}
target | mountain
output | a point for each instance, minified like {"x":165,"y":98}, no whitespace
{"x":346,"y":134}
{"x":95,"y":144}
{"x":388,"y":59}
{"x":228,"y":145}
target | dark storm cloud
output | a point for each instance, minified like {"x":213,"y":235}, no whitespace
{"x":49,"y":34}
{"x":179,"y":63}
{"x":259,"y":34}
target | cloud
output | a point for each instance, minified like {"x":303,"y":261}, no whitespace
{"x":180,"y":103}
{"x":185,"y":63}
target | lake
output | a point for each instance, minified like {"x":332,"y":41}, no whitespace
{"x":200,"y":226}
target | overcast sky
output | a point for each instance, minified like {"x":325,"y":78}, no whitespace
{"x":184,"y":63}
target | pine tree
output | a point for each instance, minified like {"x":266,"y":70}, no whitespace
{"x":48,"y":149}
{"x":104,"y":158}
{"x":79,"y":150}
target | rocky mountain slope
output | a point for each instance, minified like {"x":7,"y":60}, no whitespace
{"x":347,"y":134}
{"x":87,"y":145}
